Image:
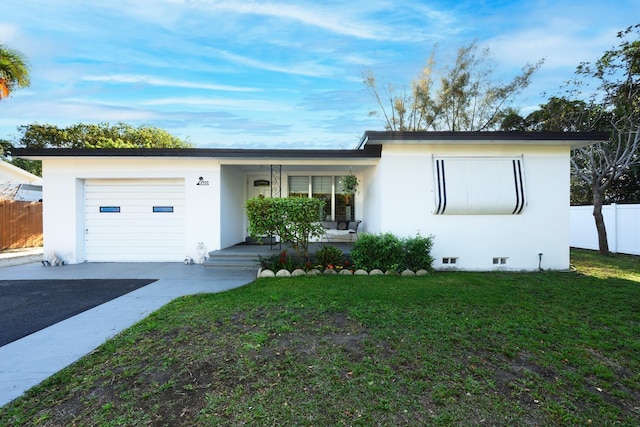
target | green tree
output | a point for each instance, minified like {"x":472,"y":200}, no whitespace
{"x":293,"y":219}
{"x":625,"y":189}
{"x":462,"y":97}
{"x":96,"y":136}
{"x":561,"y":114}
{"x":613,"y":105}
{"x":617,"y":74}
{"x":14,"y":71}
{"x":87,"y":136}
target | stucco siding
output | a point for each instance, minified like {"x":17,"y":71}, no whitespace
{"x":371,"y":200}
{"x":407,"y":191}
{"x":63,"y":211}
{"x":397,"y":194}
{"x":233,"y":186}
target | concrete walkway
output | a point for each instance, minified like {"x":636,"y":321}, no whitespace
{"x":27,"y":362}
{"x":9,"y":257}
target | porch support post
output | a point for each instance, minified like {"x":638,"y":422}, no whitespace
{"x":276,"y":190}
{"x":276,"y":181}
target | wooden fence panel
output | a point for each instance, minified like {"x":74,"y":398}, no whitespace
{"x":20,"y":224}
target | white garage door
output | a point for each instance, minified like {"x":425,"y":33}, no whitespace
{"x":134,"y":220}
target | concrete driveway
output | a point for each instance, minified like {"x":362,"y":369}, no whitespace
{"x":28,"y":361}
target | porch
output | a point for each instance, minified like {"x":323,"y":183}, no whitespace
{"x":319,"y":178}
{"x":247,"y":256}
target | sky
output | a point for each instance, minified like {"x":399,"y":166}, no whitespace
{"x":276,"y":74}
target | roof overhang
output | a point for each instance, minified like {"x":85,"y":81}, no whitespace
{"x":227,"y":155}
{"x":572,"y":139}
{"x":21,"y":175}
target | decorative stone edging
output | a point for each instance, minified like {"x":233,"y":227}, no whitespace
{"x":262,"y":273}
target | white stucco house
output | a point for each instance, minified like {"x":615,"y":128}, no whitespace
{"x":492,"y":200}
{"x":18,"y":184}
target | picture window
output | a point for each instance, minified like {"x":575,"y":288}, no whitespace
{"x":339,"y":204}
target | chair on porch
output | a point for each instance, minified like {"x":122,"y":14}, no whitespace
{"x":353,"y":227}
{"x":341,"y":231}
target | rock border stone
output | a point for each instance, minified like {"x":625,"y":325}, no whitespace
{"x":264,"y":273}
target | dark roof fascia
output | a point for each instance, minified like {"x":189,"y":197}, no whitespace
{"x":366,"y":153}
{"x":379,"y":137}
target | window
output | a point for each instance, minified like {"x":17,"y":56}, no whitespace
{"x":163,"y":209}
{"x":109,"y":209}
{"x":449,"y":260}
{"x":479,"y":186}
{"x":345,"y":202}
{"x":299,"y":186}
{"x":499,"y":260}
{"x":339,"y":206}
{"x":322,"y":188}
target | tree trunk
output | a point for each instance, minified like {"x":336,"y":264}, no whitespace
{"x":603,"y":244}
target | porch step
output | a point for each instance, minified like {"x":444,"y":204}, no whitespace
{"x":226,"y":259}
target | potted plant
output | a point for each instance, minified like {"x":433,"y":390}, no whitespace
{"x":350,"y":183}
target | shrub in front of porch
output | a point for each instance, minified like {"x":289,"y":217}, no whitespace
{"x":293,"y":219}
{"x":388,"y":252}
{"x":330,"y":257}
{"x":417,"y":253}
{"x":281,"y":261}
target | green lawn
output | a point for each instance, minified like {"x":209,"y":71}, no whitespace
{"x":454,"y":348}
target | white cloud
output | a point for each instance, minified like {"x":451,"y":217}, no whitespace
{"x":559,"y":47}
{"x":222,"y":103}
{"x":8,"y":32}
{"x":154,"y":81}
{"x":303,"y":68}
{"x":327,"y":18}
{"x":566,"y":33}
{"x":367,"y":20}
{"x":72,"y":111}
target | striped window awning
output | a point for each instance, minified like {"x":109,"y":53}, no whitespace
{"x":479,"y":186}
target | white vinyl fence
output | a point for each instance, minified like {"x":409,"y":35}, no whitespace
{"x":623,"y":228}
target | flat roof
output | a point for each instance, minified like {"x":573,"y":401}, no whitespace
{"x":574,"y":139}
{"x":371,"y":152}
{"x":369,"y":147}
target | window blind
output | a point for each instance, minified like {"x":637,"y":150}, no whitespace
{"x":299,"y":184}
{"x":321,"y":184}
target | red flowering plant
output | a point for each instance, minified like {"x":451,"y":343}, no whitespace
{"x":281,"y":261}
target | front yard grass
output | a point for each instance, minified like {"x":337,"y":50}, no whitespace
{"x":454,"y":348}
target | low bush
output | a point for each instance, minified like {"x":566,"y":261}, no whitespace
{"x":383,"y":251}
{"x":417,"y":253}
{"x":389,"y":252}
{"x":329,"y":256}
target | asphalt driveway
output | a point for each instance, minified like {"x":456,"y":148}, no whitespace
{"x":30,"y":305}
{"x":28,"y":361}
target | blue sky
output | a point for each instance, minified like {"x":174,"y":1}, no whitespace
{"x":280,"y":74}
